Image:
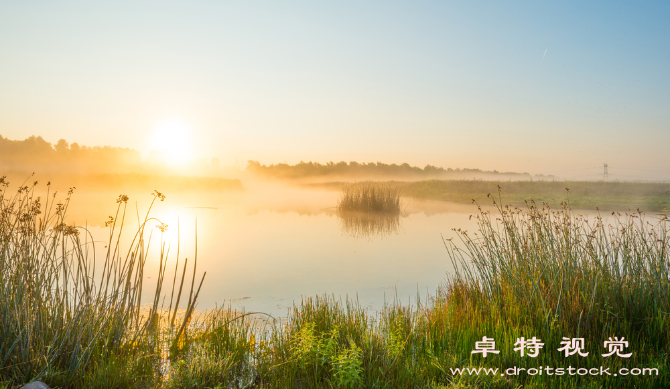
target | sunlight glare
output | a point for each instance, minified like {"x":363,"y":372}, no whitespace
{"x":172,"y":140}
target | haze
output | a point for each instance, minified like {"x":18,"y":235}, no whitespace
{"x":552,"y":88}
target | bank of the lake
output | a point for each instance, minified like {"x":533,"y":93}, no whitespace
{"x":523,"y":273}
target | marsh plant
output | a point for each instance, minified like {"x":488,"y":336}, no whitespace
{"x":554,"y":273}
{"x":65,"y":317}
{"x":369,"y":209}
{"x":369,"y":197}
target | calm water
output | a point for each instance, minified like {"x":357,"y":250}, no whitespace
{"x":266,"y":248}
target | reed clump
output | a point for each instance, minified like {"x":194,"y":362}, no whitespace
{"x":369,"y":197}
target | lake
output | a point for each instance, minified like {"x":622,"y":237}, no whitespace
{"x":267,"y":247}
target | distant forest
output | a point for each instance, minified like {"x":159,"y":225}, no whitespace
{"x":375,"y":170}
{"x":37,"y":155}
{"x":71,"y":165}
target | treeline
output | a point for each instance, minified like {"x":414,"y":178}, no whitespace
{"x":372,"y":170}
{"x":101,"y":168}
{"x":35,"y":154}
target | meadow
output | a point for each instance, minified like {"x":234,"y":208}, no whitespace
{"x":530,"y":271}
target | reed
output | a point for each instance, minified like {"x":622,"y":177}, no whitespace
{"x":565,"y":267}
{"x":554,"y":273}
{"x":65,"y":317}
{"x":369,"y":197}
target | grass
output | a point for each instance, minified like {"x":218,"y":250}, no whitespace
{"x":71,"y":321}
{"x":554,"y":274}
{"x":368,"y":209}
{"x":369,"y":197}
{"x":605,"y":195}
{"x":526,"y":272}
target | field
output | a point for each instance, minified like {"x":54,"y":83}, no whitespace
{"x":531,"y":272}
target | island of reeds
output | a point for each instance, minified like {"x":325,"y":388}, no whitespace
{"x":369,"y":197}
{"x":369,"y":209}
{"x":535,"y":271}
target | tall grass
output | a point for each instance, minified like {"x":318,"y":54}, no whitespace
{"x":369,"y":197}
{"x":65,"y":318}
{"x":567,"y":269}
{"x":554,"y":273}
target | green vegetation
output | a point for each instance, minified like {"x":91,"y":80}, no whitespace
{"x":531,"y":272}
{"x":368,"y":209}
{"x":369,"y":197}
{"x":603,"y":195}
{"x":554,"y":274}
{"x":68,"y":320}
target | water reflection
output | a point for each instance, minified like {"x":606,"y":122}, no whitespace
{"x":267,"y":247}
{"x":368,"y":225}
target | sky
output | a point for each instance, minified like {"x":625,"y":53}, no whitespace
{"x":540,"y":87}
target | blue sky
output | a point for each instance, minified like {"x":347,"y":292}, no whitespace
{"x":521,"y":86}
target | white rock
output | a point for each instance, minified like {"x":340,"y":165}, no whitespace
{"x":36,"y":385}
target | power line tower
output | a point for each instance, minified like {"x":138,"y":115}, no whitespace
{"x":606,"y":174}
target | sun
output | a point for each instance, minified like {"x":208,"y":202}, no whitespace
{"x":172,"y":140}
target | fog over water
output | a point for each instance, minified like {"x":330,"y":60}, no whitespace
{"x":271,"y":245}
